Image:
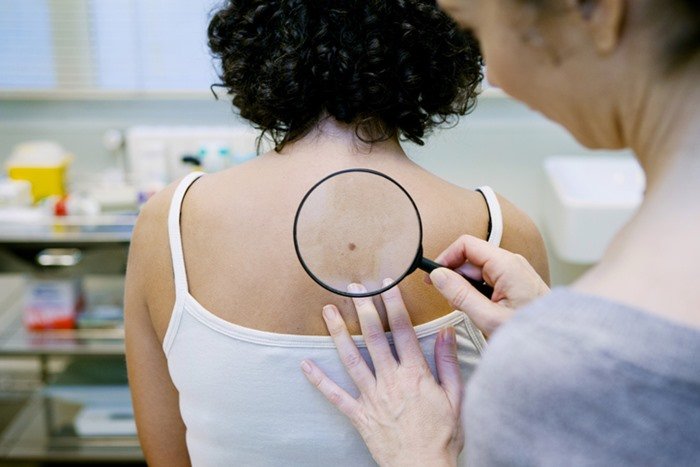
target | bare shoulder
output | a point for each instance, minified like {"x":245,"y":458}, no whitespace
{"x":449,"y":210}
{"x":521,"y":236}
{"x":149,"y":289}
{"x":149,"y":269}
{"x":155,"y":211}
{"x":151,"y":229}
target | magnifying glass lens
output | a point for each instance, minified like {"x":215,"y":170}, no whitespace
{"x":357,"y":226}
{"x":360,"y":226}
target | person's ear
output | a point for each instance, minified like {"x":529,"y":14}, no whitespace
{"x":604,"y":19}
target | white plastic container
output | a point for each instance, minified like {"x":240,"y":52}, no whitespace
{"x":587,"y":201}
{"x":15,"y":193}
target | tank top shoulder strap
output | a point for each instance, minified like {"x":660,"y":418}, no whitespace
{"x":495,"y":231}
{"x":175,"y":237}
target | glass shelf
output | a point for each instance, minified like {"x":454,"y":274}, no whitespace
{"x":16,"y":340}
{"x":70,"y":229}
{"x":44,"y":430}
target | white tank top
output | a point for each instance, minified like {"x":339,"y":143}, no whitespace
{"x":243,"y":397}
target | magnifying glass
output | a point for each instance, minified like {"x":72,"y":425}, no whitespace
{"x":361,"y":226}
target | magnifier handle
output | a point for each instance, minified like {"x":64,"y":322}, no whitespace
{"x":429,"y":266}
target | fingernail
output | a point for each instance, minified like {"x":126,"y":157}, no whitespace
{"x":356,"y":288}
{"x":448,"y":336}
{"x":329,"y":312}
{"x":438,"y":277}
{"x":387,"y":282}
{"x":305,"y":367}
{"x":451,"y":337}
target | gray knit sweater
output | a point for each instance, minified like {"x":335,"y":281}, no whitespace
{"x":578,"y":380}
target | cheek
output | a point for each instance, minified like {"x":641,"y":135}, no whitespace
{"x":522,"y":77}
{"x":459,"y":10}
{"x":501,"y":68}
{"x":509,"y":52}
{"x":505,"y":74}
{"x":511,"y":65}
{"x":494,"y":69}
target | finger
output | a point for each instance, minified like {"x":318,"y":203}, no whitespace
{"x":469,"y":249}
{"x":466,"y":269}
{"x":373,"y":332}
{"x":470,"y":270}
{"x":447,"y":365}
{"x":336,"y":395}
{"x":461,"y":295}
{"x":347,"y":350}
{"x":405,"y":339}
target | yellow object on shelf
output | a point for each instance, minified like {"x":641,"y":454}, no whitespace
{"x":43,"y":164}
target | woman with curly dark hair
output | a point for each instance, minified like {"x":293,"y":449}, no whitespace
{"x":219,"y":312}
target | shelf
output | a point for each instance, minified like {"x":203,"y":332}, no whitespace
{"x":44,"y":431}
{"x":15,"y":340}
{"x":11,"y":293}
{"x":102,"y":229}
{"x":46,"y":428}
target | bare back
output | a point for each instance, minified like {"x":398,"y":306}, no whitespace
{"x":239,"y":253}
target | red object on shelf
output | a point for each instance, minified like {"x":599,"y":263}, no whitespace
{"x":61,"y":207}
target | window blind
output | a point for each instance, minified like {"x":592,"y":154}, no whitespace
{"x":105,"y":45}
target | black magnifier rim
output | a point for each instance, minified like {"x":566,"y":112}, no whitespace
{"x":344,"y":293}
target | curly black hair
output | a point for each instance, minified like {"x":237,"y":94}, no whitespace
{"x":390,"y":67}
